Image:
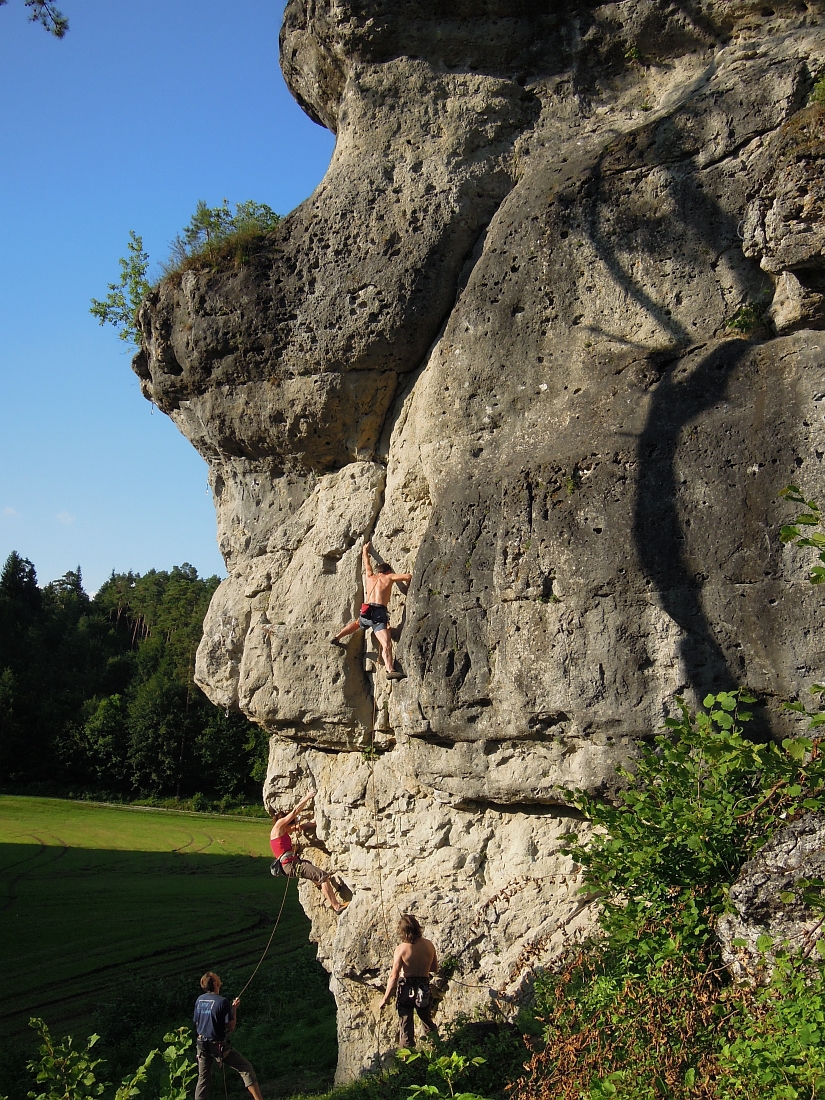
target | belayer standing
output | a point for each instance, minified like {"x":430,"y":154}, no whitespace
{"x":290,"y":862}
{"x":375,"y":612}
{"x":412,"y":964}
{"x":215,"y":1019}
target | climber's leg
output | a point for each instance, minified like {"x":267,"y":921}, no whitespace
{"x":345,"y":633}
{"x":406,"y":1028}
{"x":384,"y":639}
{"x":425,"y":1016}
{"x":335,"y":903}
{"x":308,"y":871}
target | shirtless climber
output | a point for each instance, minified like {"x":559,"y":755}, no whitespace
{"x":413,"y":962}
{"x":289,"y":862}
{"x":374,"y":613}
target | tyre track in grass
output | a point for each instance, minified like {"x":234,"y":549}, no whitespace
{"x":92,"y":985}
{"x":183,"y":847}
{"x":15,"y":880}
{"x":195,"y":851}
{"x":74,"y":964}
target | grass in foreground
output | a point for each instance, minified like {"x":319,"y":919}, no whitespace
{"x":100,"y":903}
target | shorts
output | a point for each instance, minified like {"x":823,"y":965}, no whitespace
{"x":378,"y":618}
{"x":302,"y":868}
{"x":207,"y":1053}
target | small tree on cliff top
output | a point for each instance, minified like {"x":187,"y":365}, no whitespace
{"x":120,"y":306}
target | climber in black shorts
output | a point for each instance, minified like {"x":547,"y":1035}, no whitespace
{"x":375,"y":613}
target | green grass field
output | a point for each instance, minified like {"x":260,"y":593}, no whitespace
{"x":98,"y":902}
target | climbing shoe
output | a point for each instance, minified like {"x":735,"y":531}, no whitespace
{"x":337,"y":643}
{"x":395,"y":675}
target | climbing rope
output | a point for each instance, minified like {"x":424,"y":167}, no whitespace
{"x":377,"y":850}
{"x":375,"y":818}
{"x":269,"y":942}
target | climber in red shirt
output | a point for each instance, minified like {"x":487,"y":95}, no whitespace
{"x":289,"y":862}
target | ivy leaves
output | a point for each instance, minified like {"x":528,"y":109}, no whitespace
{"x":811,"y":517}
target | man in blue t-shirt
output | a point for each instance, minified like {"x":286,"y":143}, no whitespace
{"x":215,"y":1018}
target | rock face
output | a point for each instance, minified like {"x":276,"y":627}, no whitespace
{"x":550,"y":333}
{"x":796,"y":853}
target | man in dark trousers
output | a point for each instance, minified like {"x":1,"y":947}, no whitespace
{"x":215,"y":1019}
{"x":413,"y":962}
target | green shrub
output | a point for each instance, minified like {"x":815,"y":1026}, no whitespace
{"x":748,"y":318}
{"x":68,"y":1074}
{"x":450,"y":1068}
{"x":776,"y":1048}
{"x":809,"y":517}
{"x":646,"y":1009}
{"x":217,"y":233}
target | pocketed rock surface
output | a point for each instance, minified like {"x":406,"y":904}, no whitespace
{"x":768,"y":900}
{"x":549,"y":332}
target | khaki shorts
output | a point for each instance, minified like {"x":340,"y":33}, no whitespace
{"x":302,"y":868}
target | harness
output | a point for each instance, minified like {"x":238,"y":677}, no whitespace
{"x":276,"y":867}
{"x":413,"y":992}
{"x":213,"y":1048}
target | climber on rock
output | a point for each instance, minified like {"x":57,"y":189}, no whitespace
{"x":288,"y":862}
{"x":413,"y":962}
{"x":375,"y":613}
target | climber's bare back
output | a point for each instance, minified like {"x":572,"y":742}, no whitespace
{"x":378,"y":587}
{"x":418,"y":959}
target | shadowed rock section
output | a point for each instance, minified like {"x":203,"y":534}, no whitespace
{"x":550,"y":333}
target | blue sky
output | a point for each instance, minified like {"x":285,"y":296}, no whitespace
{"x":141,"y":110}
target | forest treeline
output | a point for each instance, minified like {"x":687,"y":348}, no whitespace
{"x":97,"y":693}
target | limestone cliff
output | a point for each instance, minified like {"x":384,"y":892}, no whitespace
{"x":550,"y":333}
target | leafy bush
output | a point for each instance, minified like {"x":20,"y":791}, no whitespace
{"x":448,"y":1067}
{"x":776,"y":1048}
{"x":810,"y":517}
{"x":700,"y":803}
{"x":748,"y":318}
{"x":65,"y":1073}
{"x":646,"y":1010}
